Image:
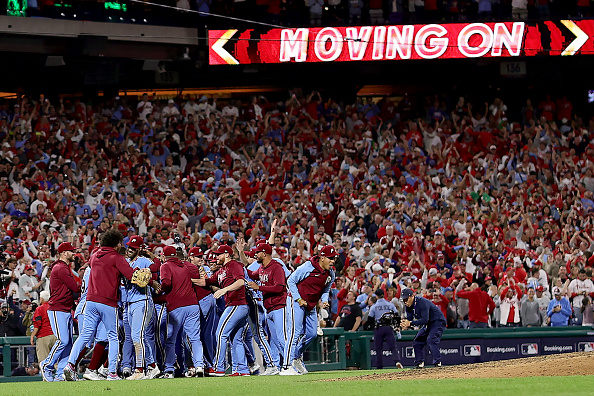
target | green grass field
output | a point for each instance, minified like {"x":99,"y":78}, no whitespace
{"x":308,"y":385}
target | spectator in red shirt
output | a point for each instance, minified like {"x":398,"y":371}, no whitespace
{"x":42,"y":328}
{"x":480,"y":305}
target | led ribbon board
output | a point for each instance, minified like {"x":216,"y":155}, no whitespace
{"x":402,"y":42}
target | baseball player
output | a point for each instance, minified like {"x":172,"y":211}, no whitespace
{"x":273,"y":285}
{"x":432,"y":323}
{"x":107,"y":265}
{"x":310,"y":282}
{"x":257,"y":315}
{"x":182,"y":311}
{"x":139,"y":310}
{"x":206,"y":304}
{"x":100,"y":338}
{"x":62,"y":289}
{"x":384,"y":313}
{"x":230,"y":279}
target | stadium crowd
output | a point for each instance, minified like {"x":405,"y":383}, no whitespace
{"x":488,"y":217}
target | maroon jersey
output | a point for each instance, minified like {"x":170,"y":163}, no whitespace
{"x":273,"y":285}
{"x":107,"y":265}
{"x":201,"y":292}
{"x":62,"y":287}
{"x":226,"y":276}
{"x":311,"y":282}
{"x":177,"y":284}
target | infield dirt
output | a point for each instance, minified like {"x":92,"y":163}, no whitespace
{"x":579,"y":363}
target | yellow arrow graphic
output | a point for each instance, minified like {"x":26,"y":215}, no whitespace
{"x":217,"y":47}
{"x":581,"y":38}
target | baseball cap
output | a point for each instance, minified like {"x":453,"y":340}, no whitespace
{"x":328,"y":251}
{"x":447,"y":289}
{"x":366,"y":244}
{"x":169,"y":251}
{"x":488,"y":278}
{"x":224,"y":249}
{"x":357,"y":240}
{"x":95,"y":211}
{"x":379,"y":293}
{"x":556,"y":291}
{"x":196,"y":251}
{"x":27,"y":268}
{"x":433,"y":271}
{"x":418,"y":230}
{"x":376,"y":267}
{"x":540,"y":288}
{"x":406,"y":293}
{"x":263,"y":247}
{"x":135,"y":242}
{"x":65,"y":247}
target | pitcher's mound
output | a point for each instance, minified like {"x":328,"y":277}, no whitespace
{"x":579,"y":363}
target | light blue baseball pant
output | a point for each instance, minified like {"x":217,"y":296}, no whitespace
{"x":230,"y":328}
{"x":94,"y":314}
{"x":61,"y":323}
{"x":188,"y":319}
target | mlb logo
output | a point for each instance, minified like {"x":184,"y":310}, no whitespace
{"x":586,"y":347}
{"x":409,"y":352}
{"x":529,"y":349}
{"x":472,"y":350}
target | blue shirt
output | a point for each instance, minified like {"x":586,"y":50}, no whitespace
{"x":133,"y":292}
{"x":380,"y":307}
{"x":257,"y":294}
{"x":82,"y":301}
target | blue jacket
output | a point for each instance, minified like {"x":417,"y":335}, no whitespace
{"x":560,"y":318}
{"x":425,"y":311}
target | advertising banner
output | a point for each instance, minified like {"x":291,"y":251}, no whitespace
{"x":476,"y":350}
{"x":401,"y":42}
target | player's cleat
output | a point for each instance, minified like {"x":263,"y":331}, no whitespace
{"x":70,"y":372}
{"x":272,"y":370}
{"x":289,"y":371}
{"x":92,"y":375}
{"x":239,"y":375}
{"x":254,"y":368}
{"x":190,"y":373}
{"x":103,"y":372}
{"x":113,"y":377}
{"x":438,"y":364}
{"x":399,"y":365}
{"x":138,"y":375}
{"x":152,"y":372}
{"x":213,"y":373}
{"x":168,"y":375}
{"x":47,"y":373}
{"x":299,"y":366}
{"x":126,"y":372}
{"x":199,"y":372}
{"x":420,"y":365}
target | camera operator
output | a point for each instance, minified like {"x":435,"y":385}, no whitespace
{"x":9,"y":322}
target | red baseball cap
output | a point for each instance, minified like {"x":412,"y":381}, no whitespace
{"x":540,"y":288}
{"x":169,"y":251}
{"x":328,"y":251}
{"x":66,"y":247}
{"x":27,"y":268}
{"x":136,"y":242}
{"x":224,"y":249}
{"x":196,"y":252}
{"x":263,"y":247}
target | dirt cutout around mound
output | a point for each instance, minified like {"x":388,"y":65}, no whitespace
{"x":579,"y":363}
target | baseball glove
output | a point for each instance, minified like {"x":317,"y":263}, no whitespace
{"x":141,"y":277}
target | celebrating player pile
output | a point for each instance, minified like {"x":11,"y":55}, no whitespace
{"x":148,"y":317}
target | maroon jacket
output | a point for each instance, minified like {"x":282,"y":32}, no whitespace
{"x":62,"y":287}
{"x":273,"y":285}
{"x":201,"y":292}
{"x":177,"y":284}
{"x":226,"y":276}
{"x":107,"y":265}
